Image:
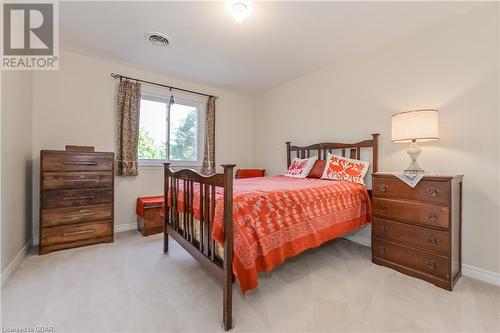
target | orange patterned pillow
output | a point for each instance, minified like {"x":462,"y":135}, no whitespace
{"x":341,"y":168}
{"x":249,"y":173}
{"x":300,"y":168}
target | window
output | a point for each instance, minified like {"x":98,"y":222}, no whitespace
{"x":170,"y":135}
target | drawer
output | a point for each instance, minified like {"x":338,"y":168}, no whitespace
{"x":76,"y":232}
{"x":68,"y":198}
{"x":427,"y":263}
{"x":68,"y":215}
{"x":65,"y":161}
{"x":423,"y":238}
{"x":64,"y":180}
{"x":426,"y":214}
{"x":426,"y":190}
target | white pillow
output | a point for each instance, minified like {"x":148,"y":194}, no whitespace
{"x":300,"y":168}
{"x":342,"y":168}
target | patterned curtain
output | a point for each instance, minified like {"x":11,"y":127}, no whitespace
{"x":129,"y":98}
{"x":209,"y":152}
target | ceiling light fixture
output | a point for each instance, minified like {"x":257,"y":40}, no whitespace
{"x":239,"y":10}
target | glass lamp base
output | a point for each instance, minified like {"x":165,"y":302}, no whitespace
{"x":414,"y":169}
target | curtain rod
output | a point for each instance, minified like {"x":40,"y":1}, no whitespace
{"x":119,"y":76}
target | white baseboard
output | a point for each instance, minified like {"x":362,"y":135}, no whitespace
{"x":125,"y":227}
{"x":14,"y":264}
{"x":481,"y":274}
{"x":118,"y":228}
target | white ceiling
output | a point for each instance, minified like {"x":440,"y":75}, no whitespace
{"x":280,"y":41}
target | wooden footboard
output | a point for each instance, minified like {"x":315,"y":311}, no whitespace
{"x":195,"y":235}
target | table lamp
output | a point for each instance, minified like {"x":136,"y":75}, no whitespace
{"x":412,"y":127}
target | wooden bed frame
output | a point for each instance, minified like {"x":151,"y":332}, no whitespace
{"x":204,"y":249}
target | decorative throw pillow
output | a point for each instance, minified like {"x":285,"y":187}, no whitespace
{"x":249,"y":173}
{"x":341,"y":168}
{"x":300,"y":168}
{"x":317,"y":169}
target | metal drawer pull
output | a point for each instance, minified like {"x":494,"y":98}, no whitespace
{"x":80,"y":162}
{"x":91,"y":197}
{"x":431,"y":265}
{"x":432,"y":240}
{"x":75,"y":216}
{"x":432,"y":217}
{"x":432,"y":192}
{"x":93,"y":180}
{"x":383,"y":187}
{"x":383,"y":209}
{"x":79,"y":232}
{"x":383,"y":228}
{"x":381,"y":250}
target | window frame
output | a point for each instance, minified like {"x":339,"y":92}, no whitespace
{"x":184,"y":100}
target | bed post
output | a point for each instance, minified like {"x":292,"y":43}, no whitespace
{"x":288,"y":154}
{"x":228,"y":246}
{"x":375,"y":152}
{"x":166,"y":208}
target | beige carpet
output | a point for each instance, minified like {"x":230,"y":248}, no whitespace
{"x":130,"y":286}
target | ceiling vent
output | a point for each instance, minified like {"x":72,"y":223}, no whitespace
{"x":158,"y":39}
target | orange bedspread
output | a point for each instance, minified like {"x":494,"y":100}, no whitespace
{"x":278,"y":217}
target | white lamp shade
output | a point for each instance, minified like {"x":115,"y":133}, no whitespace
{"x":418,"y":125}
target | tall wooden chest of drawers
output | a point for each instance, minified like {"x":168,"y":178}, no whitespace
{"x":76,"y":199}
{"x":417,"y":231}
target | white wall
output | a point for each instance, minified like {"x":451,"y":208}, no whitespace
{"x":452,"y":66}
{"x":76,"y":105}
{"x":16,"y":165}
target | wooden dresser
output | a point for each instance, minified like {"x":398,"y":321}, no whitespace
{"x":76,"y":198}
{"x":417,"y":231}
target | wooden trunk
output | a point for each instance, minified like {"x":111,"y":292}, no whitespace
{"x":151,"y":222}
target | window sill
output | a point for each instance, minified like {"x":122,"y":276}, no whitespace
{"x":159,"y":165}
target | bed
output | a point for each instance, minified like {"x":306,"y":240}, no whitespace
{"x":237,"y":228}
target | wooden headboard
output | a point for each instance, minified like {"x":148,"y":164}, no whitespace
{"x":322,"y":149}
